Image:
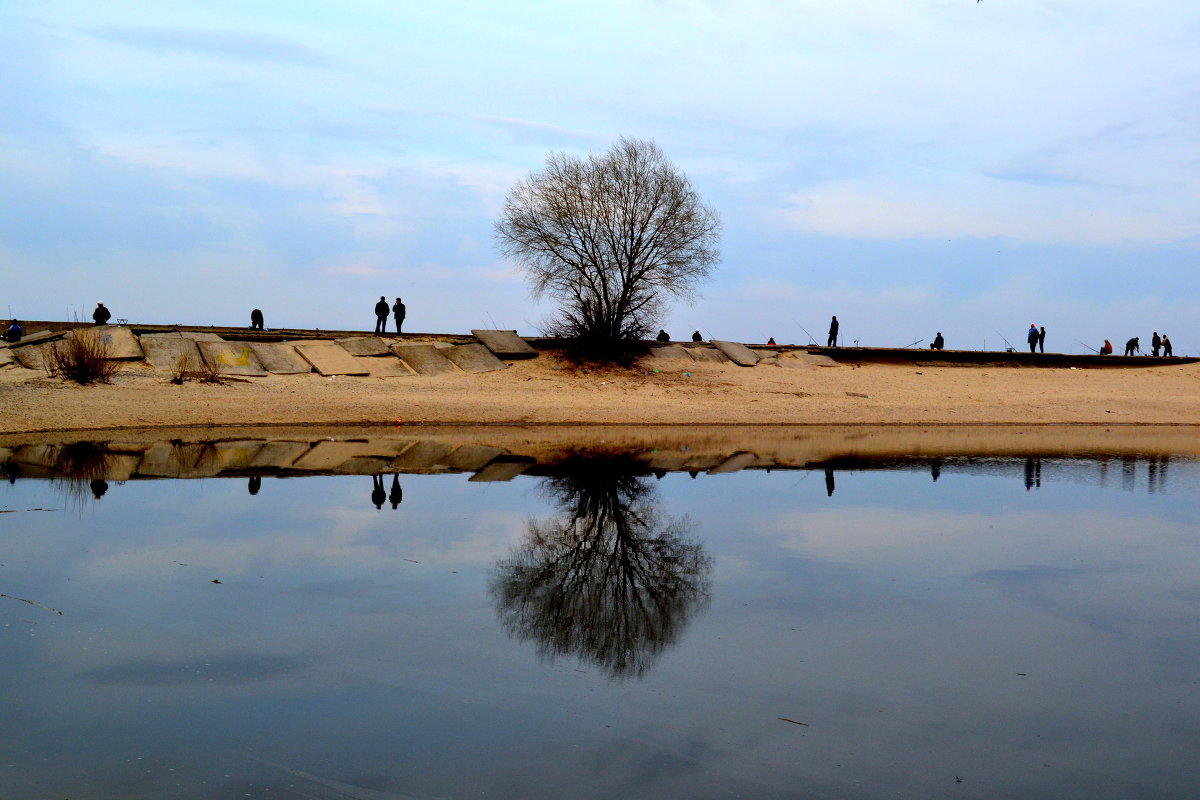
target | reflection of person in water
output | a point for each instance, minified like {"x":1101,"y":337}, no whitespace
{"x":99,"y":487}
{"x":396,"y":495}
{"x":254,"y":485}
{"x":609,"y":580}
{"x":1033,"y":473}
{"x":378,"y":495}
{"x":829,"y":483}
{"x":935,"y":468}
{"x":12,"y":471}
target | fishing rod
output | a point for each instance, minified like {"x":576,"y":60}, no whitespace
{"x":1088,"y":346}
{"x":811,"y":340}
{"x":1011,"y":349}
{"x":911,"y":344}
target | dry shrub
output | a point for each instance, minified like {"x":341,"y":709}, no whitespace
{"x":83,"y":357}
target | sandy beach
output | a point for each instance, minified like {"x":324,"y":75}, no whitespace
{"x":547,"y":390}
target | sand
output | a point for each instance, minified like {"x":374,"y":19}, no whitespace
{"x":545,"y":390}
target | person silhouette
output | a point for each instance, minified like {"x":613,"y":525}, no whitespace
{"x":256,"y":319}
{"x":833,"y":333}
{"x":399,"y":312}
{"x":696,"y":337}
{"x":1166,"y":347}
{"x":829,"y":483}
{"x":663,"y":336}
{"x":254,"y":484}
{"x":378,"y":495}
{"x":381,"y":315}
{"x":99,"y":487}
{"x":397,"y":494}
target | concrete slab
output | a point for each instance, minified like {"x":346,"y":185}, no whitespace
{"x":278,"y":455}
{"x":390,"y":367}
{"x":792,"y":362}
{"x":423,"y":455}
{"x":6,"y":357}
{"x":816,"y":360}
{"x":37,"y":338}
{"x":735,"y":463}
{"x":328,"y":358}
{"x":364,"y":346}
{"x":201,"y":336}
{"x":33,"y":357}
{"x":505,"y":344}
{"x":424,"y":359}
{"x":670,"y":351}
{"x":707,"y":354}
{"x":326,"y":455}
{"x":121,"y":343}
{"x":231,"y":358}
{"x":280,"y":359}
{"x":474,"y":358}
{"x":165,"y":350}
{"x":472,"y":457}
{"x":737,"y":353}
{"x":502,"y":469}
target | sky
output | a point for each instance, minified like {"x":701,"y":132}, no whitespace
{"x":912,"y":167}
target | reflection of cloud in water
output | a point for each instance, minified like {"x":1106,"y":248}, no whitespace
{"x":247,"y":668}
{"x":608,"y":581}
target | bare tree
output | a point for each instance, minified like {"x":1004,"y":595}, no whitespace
{"x":612,"y":237}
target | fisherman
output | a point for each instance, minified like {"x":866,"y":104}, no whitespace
{"x":1042,"y":339}
{"x":14,"y":332}
{"x":381,"y":315}
{"x":399,"y":312}
{"x":771,"y":341}
{"x":1132,"y":345}
{"x":1032,"y":338}
{"x":1106,"y":348}
{"x":938,"y":342}
{"x":1166,"y":346}
{"x":256,"y":319}
{"x":663,"y":336}
{"x":101,"y":315}
{"x":833,"y":333}
{"x":1155,"y":344}
{"x":696,"y":337}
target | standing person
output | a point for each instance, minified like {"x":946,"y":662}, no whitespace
{"x":256,"y":319}
{"x":101,"y":315}
{"x":938,"y":342}
{"x":1166,"y":346}
{"x":1132,"y":345}
{"x":1031,"y":338}
{"x":381,"y":315}
{"x":1042,"y":339}
{"x":833,"y":333}
{"x":398,"y":311}
{"x":1155,"y":343}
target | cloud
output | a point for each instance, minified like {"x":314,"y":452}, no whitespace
{"x":240,"y":45}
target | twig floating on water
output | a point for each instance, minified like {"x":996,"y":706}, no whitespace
{"x":32,"y":603}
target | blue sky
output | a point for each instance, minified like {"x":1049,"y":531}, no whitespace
{"x":968,"y":167}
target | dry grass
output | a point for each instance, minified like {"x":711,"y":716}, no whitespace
{"x":187,"y":369}
{"x":82,"y":357}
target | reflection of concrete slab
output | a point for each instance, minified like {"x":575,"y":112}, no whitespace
{"x":161,"y":460}
{"x":737,"y":353}
{"x":502,"y":469}
{"x":670,"y":351}
{"x":280,"y":359}
{"x":328,"y":358}
{"x":670,"y":460}
{"x":708,"y":354}
{"x":278,"y":455}
{"x":120,"y":466}
{"x":424,"y":359}
{"x":165,"y":350}
{"x":390,"y":367}
{"x":424,"y":454}
{"x":474,"y":358}
{"x":386,"y":447}
{"x":177,"y":460}
{"x":505,"y":344}
{"x":472,"y":457}
{"x":121,"y":343}
{"x":231,"y":358}
{"x":735,"y":463}
{"x":363,"y":346}
{"x":326,"y":455}
{"x":37,"y":455}
{"x":702,"y":463}
{"x":363,"y":465}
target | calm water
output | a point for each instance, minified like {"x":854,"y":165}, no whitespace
{"x":1010,"y":629}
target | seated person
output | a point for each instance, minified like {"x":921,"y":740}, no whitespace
{"x":938,"y":342}
{"x":13,"y":333}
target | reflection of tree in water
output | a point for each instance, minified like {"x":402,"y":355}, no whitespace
{"x":79,"y":472}
{"x":610,"y":580}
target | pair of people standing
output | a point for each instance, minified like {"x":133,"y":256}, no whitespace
{"x":1036,"y":338}
{"x":397,"y":310}
{"x":1160,"y":342}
